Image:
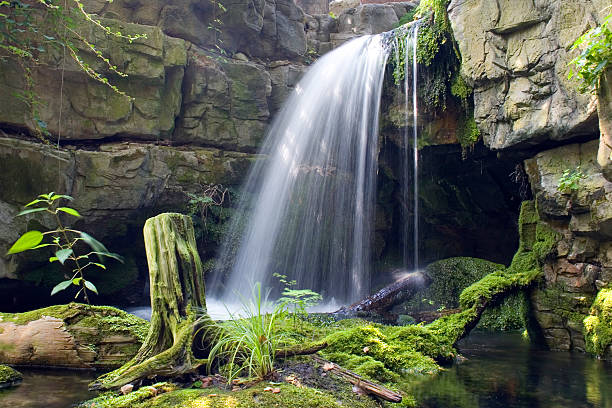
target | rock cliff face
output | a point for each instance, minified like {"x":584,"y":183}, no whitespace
{"x":516,"y":55}
{"x":196,"y":117}
{"x":582,"y":262}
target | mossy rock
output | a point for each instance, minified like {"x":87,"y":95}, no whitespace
{"x":9,"y":377}
{"x":449,"y":277}
{"x":598,"y":325}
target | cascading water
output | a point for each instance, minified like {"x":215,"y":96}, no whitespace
{"x":311,"y":211}
{"x":410,"y":91}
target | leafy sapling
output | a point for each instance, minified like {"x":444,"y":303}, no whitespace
{"x":63,"y":240}
{"x":570,"y":180}
{"x":298,"y":299}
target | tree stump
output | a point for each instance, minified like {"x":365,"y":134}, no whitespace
{"x":178,"y":305}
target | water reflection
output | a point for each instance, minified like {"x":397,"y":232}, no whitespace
{"x":504,"y":370}
{"x":48,"y":388}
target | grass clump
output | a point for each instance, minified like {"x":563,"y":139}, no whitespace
{"x":247,"y":343}
{"x":598,"y":325}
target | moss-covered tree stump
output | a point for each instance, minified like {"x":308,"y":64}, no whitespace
{"x":178,"y":305}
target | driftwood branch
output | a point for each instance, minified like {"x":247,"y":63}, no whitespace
{"x":396,"y":293}
{"x":301,"y":350}
{"x":367,"y":386}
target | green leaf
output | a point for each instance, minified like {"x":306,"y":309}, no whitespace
{"x":53,"y":259}
{"x":99,"y":248}
{"x":60,"y":286}
{"x":35,"y":202}
{"x":109,"y":255}
{"x":70,"y":211}
{"x":96,"y":245}
{"x":29,"y":240}
{"x":99,"y":265}
{"x":42,"y":246}
{"x":77,"y":281}
{"x":63,"y":254}
{"x":30,"y":211}
{"x":91,"y":287}
{"x":58,"y":196}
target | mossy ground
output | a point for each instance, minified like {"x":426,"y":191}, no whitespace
{"x":290,"y":396}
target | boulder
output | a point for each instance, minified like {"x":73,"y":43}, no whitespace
{"x":517,"y":60}
{"x":261,"y":28}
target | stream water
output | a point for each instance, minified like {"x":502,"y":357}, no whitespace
{"x":48,"y":388}
{"x":504,"y":370}
{"x":501,"y":370}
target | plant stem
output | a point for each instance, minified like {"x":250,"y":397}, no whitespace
{"x":76,"y":261}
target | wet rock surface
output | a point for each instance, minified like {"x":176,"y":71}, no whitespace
{"x":517,"y":58}
{"x":581,"y":265}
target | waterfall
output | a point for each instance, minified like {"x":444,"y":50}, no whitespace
{"x":307,"y":210}
{"x":410,"y":152}
{"x":411,"y":57}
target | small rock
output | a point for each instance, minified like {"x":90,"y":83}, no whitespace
{"x":127,"y":388}
{"x":328,"y":366}
{"x":240,"y":56}
{"x":600,"y":284}
{"x":366,"y":349}
{"x":276,"y":390}
{"x":357,"y":390}
{"x":235,"y":388}
{"x":206,"y":382}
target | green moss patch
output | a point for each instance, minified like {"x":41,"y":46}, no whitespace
{"x":290,"y":396}
{"x":598,"y":325}
{"x":9,"y":376}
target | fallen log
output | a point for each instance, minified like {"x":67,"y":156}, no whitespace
{"x":428,"y":316}
{"x":70,"y":336}
{"x":301,"y":350}
{"x":389,"y":296}
{"x":367,"y":386}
